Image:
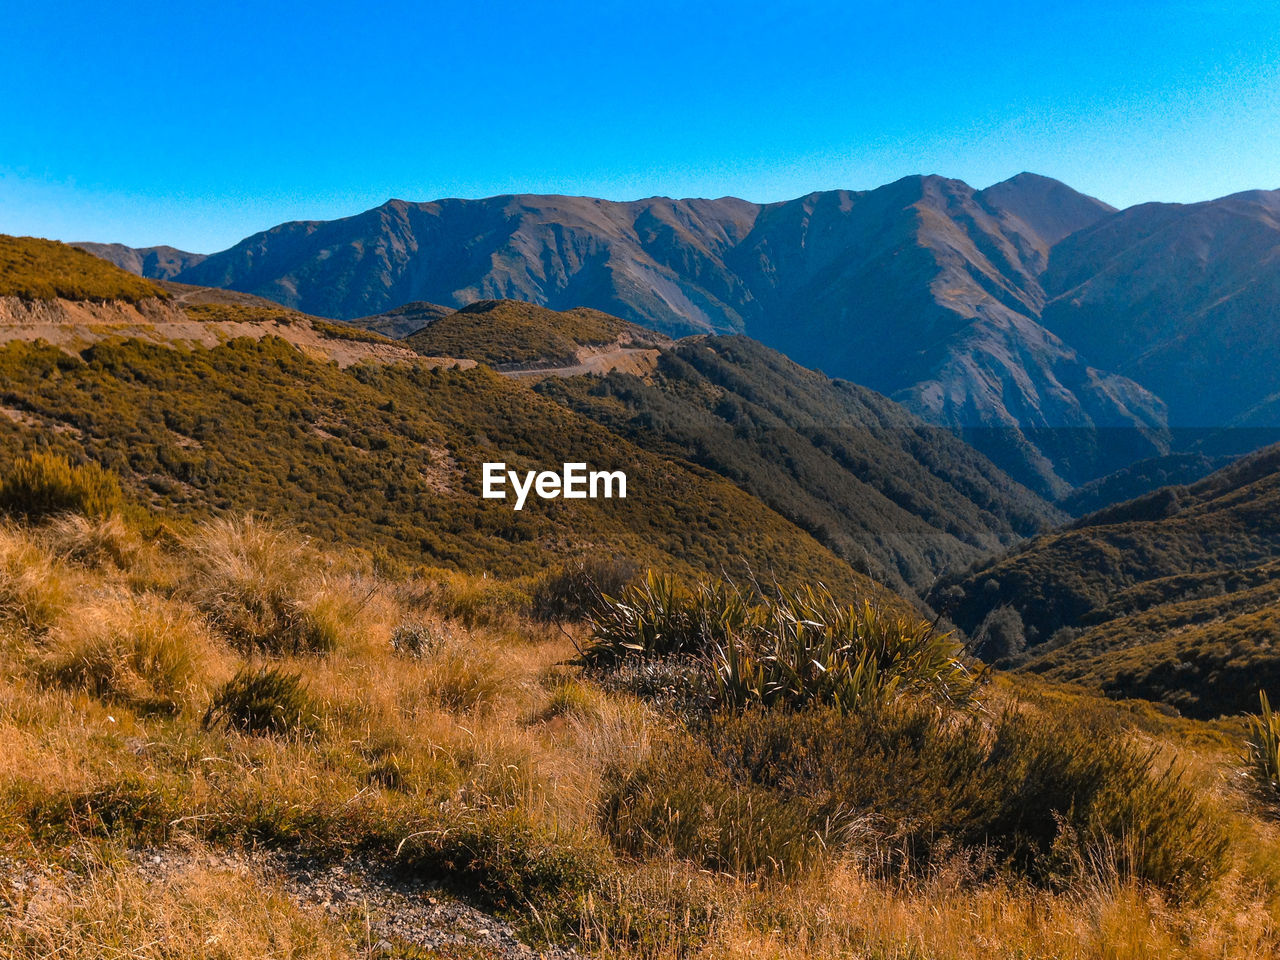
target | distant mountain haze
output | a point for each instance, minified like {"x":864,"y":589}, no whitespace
{"x":1054,"y":333}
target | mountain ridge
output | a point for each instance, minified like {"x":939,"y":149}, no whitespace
{"x":980,"y":310}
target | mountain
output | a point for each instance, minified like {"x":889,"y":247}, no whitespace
{"x":899,"y":499}
{"x":156,"y":263}
{"x":924,"y":289}
{"x":657,"y":261}
{"x":1185,"y":299}
{"x":1171,"y":596}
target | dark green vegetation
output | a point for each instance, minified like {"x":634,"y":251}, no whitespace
{"x":897,"y":498}
{"x":823,"y":714}
{"x":34,"y":269}
{"x":1171,"y":596}
{"x":382,"y":456}
{"x":790,"y":649}
{"x":509,"y":333}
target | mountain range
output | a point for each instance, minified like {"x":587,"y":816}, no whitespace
{"x":1063,"y":338}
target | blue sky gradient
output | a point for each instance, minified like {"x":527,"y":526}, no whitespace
{"x":196,"y":125}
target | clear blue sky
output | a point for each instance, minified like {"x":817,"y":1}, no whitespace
{"x":197,"y":124}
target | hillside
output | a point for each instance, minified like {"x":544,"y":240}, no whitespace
{"x":924,"y":289}
{"x":509,"y":333}
{"x":897,"y":498}
{"x":1185,"y":299}
{"x":67,"y":298}
{"x":1171,"y":596}
{"x":34,"y":269}
{"x":212,"y":400}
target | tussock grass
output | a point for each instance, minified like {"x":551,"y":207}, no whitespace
{"x":259,"y":586}
{"x":93,"y":541}
{"x":140,"y":651}
{"x":200,"y":912}
{"x":35,"y":590}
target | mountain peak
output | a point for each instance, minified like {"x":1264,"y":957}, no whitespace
{"x":1049,"y":207}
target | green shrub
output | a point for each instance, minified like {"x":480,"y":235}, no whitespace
{"x":42,"y":484}
{"x":1073,"y":791}
{"x":1262,"y":748}
{"x":261,"y":700}
{"x":660,"y":617}
{"x":798,"y":648}
{"x":812,"y":649}
{"x":577,"y":591}
{"x":503,"y":860}
{"x":1048,"y":796}
{"x":676,"y":805}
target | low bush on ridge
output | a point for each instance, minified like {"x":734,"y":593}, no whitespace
{"x":1052,"y":798}
{"x":798,"y":648}
{"x":261,"y":700}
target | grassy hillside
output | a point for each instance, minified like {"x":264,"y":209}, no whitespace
{"x":35,"y":269}
{"x":381,"y":455}
{"x":1170,"y":596}
{"x":230,"y":741}
{"x":893,"y":495}
{"x":508,"y":332}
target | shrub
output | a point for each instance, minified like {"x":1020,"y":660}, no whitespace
{"x":140,"y":652}
{"x":1262,"y":748}
{"x":1074,"y":790}
{"x":801,"y":647}
{"x":416,"y":639}
{"x":1001,"y":635}
{"x":252,"y":580}
{"x":1047,"y":795}
{"x":673,"y":806}
{"x":42,"y":484}
{"x":659,"y":617}
{"x":472,"y":601}
{"x":261,"y":700}
{"x":580,"y":590}
{"x":812,"y":649}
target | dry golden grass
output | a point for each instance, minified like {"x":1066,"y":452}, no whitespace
{"x":200,"y":912}
{"x":479,"y":756}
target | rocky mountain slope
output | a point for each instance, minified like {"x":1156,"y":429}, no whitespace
{"x":1059,"y":336}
